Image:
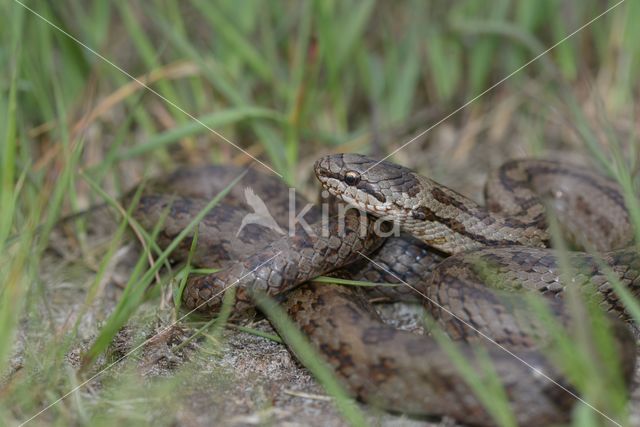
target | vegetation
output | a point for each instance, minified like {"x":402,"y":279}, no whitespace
{"x":96,"y":95}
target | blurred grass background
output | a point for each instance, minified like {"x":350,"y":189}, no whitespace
{"x":286,"y":81}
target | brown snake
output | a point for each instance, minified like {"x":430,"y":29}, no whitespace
{"x":395,"y":369}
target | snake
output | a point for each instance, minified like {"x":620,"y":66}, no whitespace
{"x":469,"y":264}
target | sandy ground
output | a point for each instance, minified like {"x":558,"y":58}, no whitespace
{"x":247,"y":380}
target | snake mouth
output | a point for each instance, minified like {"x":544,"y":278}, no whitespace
{"x":352,"y":196}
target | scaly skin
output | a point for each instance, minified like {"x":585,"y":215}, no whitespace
{"x":590,"y":205}
{"x":386,"y":367}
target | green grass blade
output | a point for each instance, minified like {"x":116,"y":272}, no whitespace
{"x":212,"y":120}
{"x":309,"y":357}
{"x":137,"y":285}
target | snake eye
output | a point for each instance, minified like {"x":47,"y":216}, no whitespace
{"x":352,"y":178}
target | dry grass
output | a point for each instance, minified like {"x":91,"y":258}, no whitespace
{"x":286,"y":81}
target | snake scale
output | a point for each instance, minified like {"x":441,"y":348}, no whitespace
{"x":390,"y":368}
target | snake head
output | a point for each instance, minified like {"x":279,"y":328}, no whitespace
{"x":378,"y":187}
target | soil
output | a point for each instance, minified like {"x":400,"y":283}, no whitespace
{"x":243,"y":379}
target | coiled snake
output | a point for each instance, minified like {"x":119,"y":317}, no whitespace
{"x":395,"y":369}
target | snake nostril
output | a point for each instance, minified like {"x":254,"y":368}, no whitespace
{"x":320,"y":167}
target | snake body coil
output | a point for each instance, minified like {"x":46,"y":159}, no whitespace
{"x":379,"y":364}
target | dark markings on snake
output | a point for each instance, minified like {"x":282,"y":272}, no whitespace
{"x":391,"y":368}
{"x":371,"y":190}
